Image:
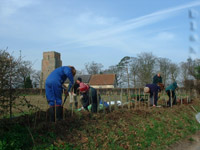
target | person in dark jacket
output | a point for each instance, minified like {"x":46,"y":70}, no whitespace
{"x":157,"y":78}
{"x":89,"y":96}
{"x":75,"y":90}
{"x":170,"y":90}
{"x":54,"y":89}
{"x":153,"y":89}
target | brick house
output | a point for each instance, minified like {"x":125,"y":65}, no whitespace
{"x":97,"y":81}
{"x":103,"y":81}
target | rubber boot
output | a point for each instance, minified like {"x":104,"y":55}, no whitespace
{"x":52,"y":114}
{"x":76,"y":105}
{"x":59,"y":113}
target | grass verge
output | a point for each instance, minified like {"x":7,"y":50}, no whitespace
{"x":154,"y":128}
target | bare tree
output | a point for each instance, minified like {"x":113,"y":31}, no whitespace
{"x":25,"y":70}
{"x":184,"y":72}
{"x":93,"y":67}
{"x":164,"y":66}
{"x":9,"y":81}
{"x":36,"y":78}
{"x":134,"y":70}
{"x":10,"y":73}
{"x":124,"y":67}
{"x":174,"y":71}
{"x":192,"y":65}
{"x":146,"y":64}
{"x":81,"y":72}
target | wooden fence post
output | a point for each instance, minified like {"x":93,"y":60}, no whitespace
{"x":110,"y":101}
{"x":135,"y":93}
{"x":103,"y":105}
{"x":98,"y":100}
{"x":47,"y":112}
{"x":187,"y":93}
{"x":139,"y":98}
{"x":121,"y":99}
{"x":181,"y":97}
{"x":129,"y":102}
{"x":115,"y":97}
{"x":171,"y":97}
{"x":149,"y":101}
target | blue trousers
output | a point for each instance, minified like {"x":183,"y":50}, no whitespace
{"x":53,"y":93}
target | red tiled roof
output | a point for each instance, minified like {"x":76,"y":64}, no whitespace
{"x":102,"y":79}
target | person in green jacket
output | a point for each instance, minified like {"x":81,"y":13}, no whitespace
{"x":170,"y":90}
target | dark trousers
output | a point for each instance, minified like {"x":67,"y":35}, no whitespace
{"x":90,"y":97}
{"x":172,"y":96}
{"x":153,"y":98}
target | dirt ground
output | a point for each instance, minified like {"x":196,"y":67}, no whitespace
{"x":189,"y":143}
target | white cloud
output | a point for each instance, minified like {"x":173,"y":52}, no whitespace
{"x":90,"y":18}
{"x":165,"y":36}
{"x":9,"y":7}
{"x":135,"y":23}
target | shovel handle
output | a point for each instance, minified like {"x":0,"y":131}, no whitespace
{"x":194,"y":109}
{"x":64,"y":100}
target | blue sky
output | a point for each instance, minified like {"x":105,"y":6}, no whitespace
{"x":103,"y":31}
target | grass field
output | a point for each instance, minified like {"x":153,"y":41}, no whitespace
{"x":40,"y":102}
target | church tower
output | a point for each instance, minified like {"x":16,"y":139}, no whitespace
{"x":51,"y":61}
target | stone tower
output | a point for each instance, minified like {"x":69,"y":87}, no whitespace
{"x":51,"y":60}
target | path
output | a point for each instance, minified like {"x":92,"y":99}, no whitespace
{"x":190,"y":143}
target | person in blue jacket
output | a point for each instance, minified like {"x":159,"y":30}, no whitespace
{"x":54,"y":88}
{"x":153,"y":89}
{"x":170,"y":90}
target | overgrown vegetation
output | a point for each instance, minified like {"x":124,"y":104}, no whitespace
{"x":14,"y":74}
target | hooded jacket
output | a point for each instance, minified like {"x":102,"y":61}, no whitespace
{"x":171,"y":87}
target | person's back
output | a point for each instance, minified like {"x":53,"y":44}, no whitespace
{"x":157,"y":79}
{"x":154,"y":88}
{"x":172,"y":87}
{"x":59,"y":75}
{"x":170,"y":90}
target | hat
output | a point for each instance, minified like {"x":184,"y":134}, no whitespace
{"x":79,"y":79}
{"x":83,"y":87}
{"x":146,"y":89}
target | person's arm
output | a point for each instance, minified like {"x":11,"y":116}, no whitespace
{"x":154,"y":79}
{"x":69,"y":74}
{"x":160,"y":79}
{"x":72,"y":88}
{"x":159,"y":89}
